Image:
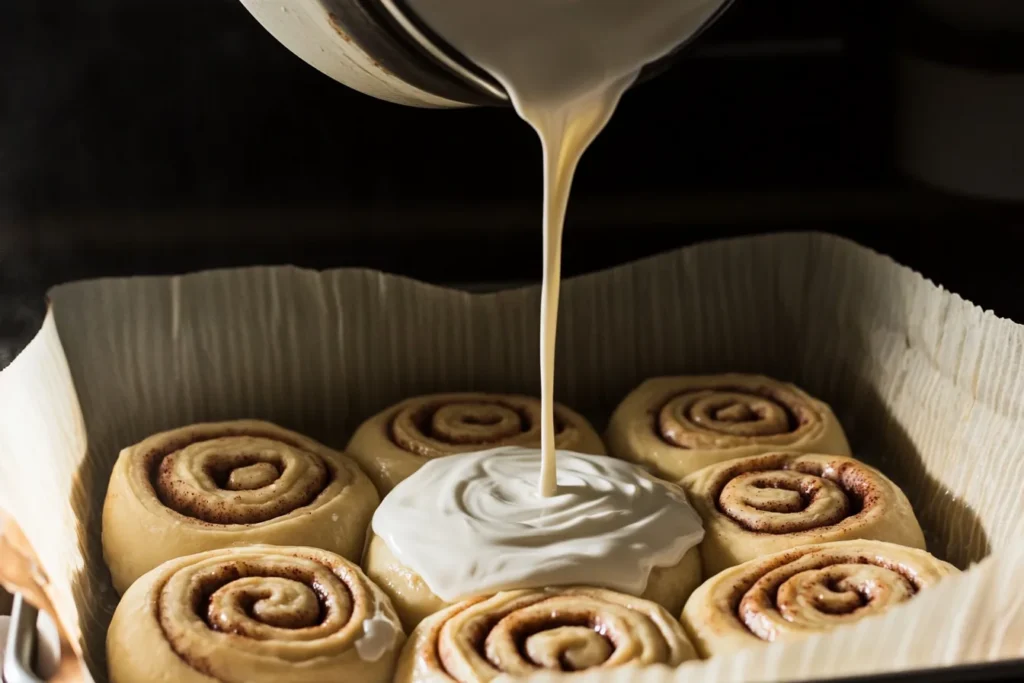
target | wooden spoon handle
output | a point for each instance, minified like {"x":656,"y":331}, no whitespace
{"x":20,"y":573}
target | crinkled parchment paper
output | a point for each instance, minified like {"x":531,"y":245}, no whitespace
{"x":929,"y":387}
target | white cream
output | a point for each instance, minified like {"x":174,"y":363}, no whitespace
{"x":551,"y":52}
{"x":476,"y":524}
{"x":380,"y":632}
{"x":564,"y":64}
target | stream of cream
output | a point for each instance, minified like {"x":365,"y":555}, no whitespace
{"x":565,"y":64}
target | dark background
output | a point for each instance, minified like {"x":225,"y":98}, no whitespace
{"x":145,"y":136}
{"x":149,"y":105}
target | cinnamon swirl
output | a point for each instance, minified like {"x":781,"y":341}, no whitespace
{"x":523,"y":632}
{"x":804,"y":591}
{"x":214,"y":485}
{"x":674,"y":426}
{"x":396,"y":442}
{"x":768,"y":503}
{"x":259,"y":613}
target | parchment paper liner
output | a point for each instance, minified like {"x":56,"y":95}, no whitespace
{"x":928,"y":386}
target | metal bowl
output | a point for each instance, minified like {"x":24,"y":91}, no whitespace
{"x":382,"y":49}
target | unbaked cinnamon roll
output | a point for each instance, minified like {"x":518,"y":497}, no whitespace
{"x":214,"y":485}
{"x":414,"y":601}
{"x":474,"y":524}
{"x":523,"y":632}
{"x":259,"y":613}
{"x":805,"y":591}
{"x":396,"y":442}
{"x":768,"y":503}
{"x":675,"y":426}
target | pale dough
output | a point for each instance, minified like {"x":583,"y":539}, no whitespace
{"x":675,"y":426}
{"x":805,"y":591}
{"x":584,"y":628}
{"x":396,"y":442}
{"x":768,"y":503}
{"x":414,"y":601}
{"x":209,"y":486}
{"x":282,"y":614}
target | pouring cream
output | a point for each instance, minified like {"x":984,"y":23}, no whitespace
{"x":609,"y":525}
{"x":565,"y":64}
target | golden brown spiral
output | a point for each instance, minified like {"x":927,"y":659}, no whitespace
{"x":526,"y":631}
{"x":784,"y":502}
{"x":677,"y":425}
{"x":396,"y":442}
{"x":767,"y":503}
{"x":705,"y":418}
{"x":213,"y":485}
{"x":260,"y":613}
{"x":240,"y":479}
{"x":804,"y":591}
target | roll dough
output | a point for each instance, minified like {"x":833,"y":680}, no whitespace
{"x":740,"y":406}
{"x":140,"y":532}
{"x":140,"y":649}
{"x":819,"y":486}
{"x":711,"y":615}
{"x":475,"y":417}
{"x":527,"y":629}
{"x":667,"y":586}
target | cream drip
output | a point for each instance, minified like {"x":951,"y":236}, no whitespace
{"x":380,"y":632}
{"x":476,"y":524}
{"x":565,"y":64}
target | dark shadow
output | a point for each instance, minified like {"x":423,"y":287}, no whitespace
{"x":875,"y":434}
{"x":93,"y":592}
{"x":880,"y":440}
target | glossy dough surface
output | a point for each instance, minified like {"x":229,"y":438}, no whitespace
{"x":769,"y":503}
{"x":396,"y":442}
{"x":675,"y":426}
{"x":523,"y":632}
{"x":808,"y":590}
{"x":667,"y":586}
{"x":215,"y":485}
{"x":247,"y":615}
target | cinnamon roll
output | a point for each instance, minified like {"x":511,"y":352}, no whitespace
{"x":611,"y":525}
{"x":768,"y":503}
{"x":805,"y":591}
{"x":396,"y":442}
{"x":674,"y":426}
{"x":414,"y":601}
{"x":523,"y":632}
{"x":259,"y":613}
{"x":214,"y":485}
